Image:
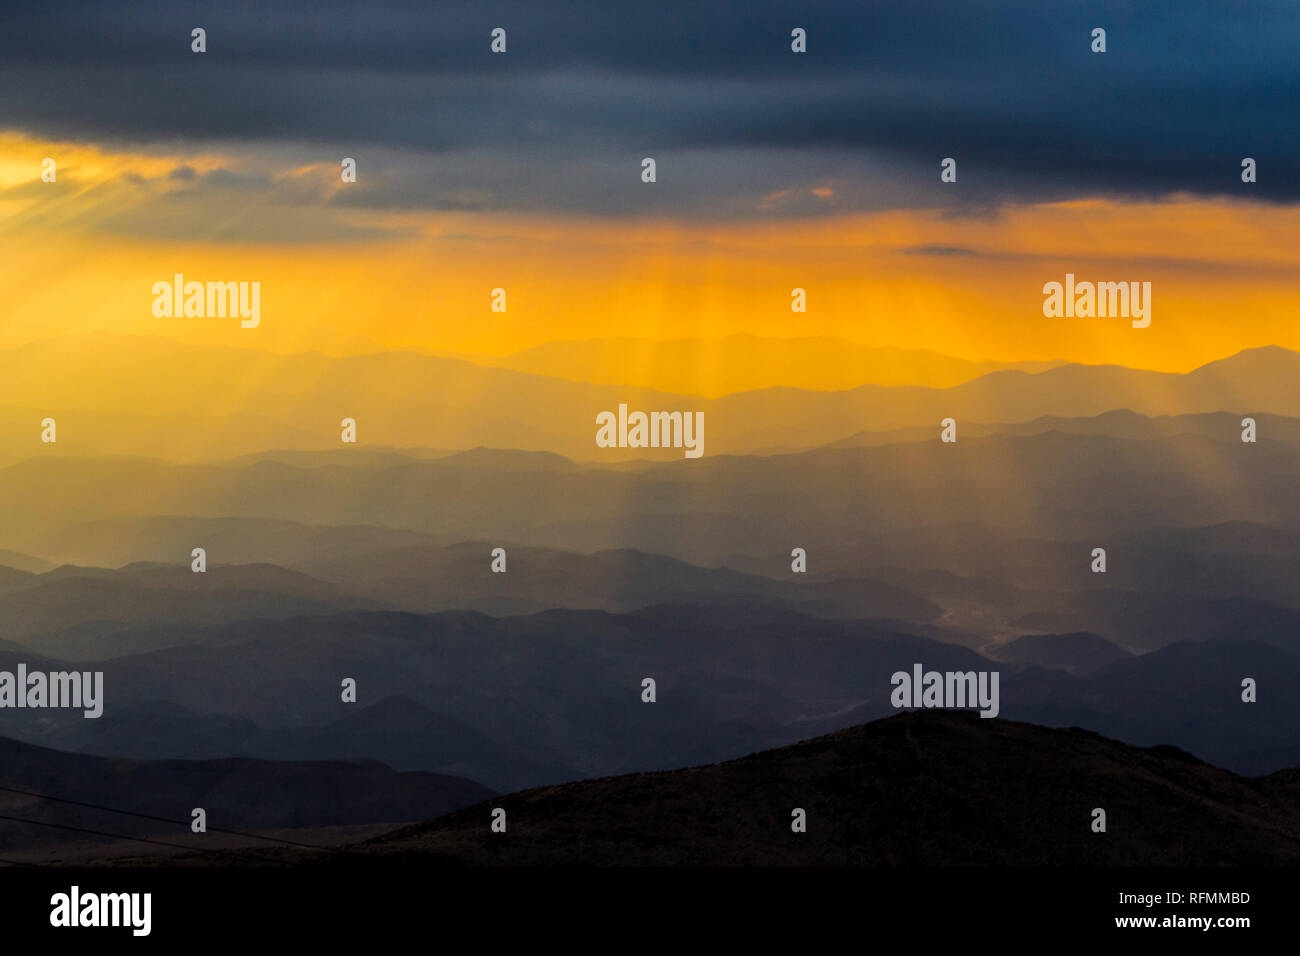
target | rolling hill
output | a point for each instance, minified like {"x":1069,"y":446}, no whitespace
{"x":919,"y":789}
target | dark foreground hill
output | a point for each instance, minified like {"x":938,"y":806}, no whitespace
{"x":922,"y":788}
{"x":235,"y":794}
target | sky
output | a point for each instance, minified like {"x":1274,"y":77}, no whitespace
{"x":775,"y":170}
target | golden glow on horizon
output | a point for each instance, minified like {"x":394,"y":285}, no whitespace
{"x":1224,"y":274}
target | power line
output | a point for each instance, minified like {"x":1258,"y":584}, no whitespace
{"x":180,"y":823}
{"x":104,"y":833}
{"x":128,"y":836}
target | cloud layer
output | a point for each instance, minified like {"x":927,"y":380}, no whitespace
{"x":712,"y":90}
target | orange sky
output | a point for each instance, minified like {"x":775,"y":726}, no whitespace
{"x":1224,"y":275}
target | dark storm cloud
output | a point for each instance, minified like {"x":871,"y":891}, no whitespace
{"x":1011,"y":90}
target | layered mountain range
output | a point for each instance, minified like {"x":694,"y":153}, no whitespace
{"x":500,"y":609}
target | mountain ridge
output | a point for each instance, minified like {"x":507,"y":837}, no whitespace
{"x":390,"y":395}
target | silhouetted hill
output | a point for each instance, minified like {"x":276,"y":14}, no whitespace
{"x":1081,"y":653}
{"x":923,"y":788}
{"x":236,"y":793}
